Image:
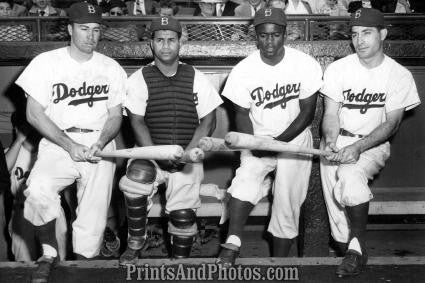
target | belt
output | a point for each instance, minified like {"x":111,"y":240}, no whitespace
{"x":78,"y":130}
{"x":344,"y":132}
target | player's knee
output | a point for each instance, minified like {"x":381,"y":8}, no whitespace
{"x":348,"y":172}
{"x":139,"y":178}
{"x":141,"y":171}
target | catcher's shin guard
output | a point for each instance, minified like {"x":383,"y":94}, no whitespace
{"x":182,"y":227}
{"x":137,"y":210}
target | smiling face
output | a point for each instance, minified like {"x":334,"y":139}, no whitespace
{"x":270,"y":40}
{"x":5,"y":9}
{"x":84,"y":37}
{"x":165,"y":46}
{"x":368,"y":41}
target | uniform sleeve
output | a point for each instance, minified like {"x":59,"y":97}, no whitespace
{"x":312,"y":81}
{"x":236,"y":90}
{"x":332,"y":86}
{"x":206,"y":96}
{"x":403,"y":94}
{"x":137,"y":94}
{"x":117,"y":88}
{"x":34,"y":80}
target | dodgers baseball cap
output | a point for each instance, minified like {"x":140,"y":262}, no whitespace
{"x":83,"y":12}
{"x":166,"y":23}
{"x":270,"y":16}
{"x":367,"y":17}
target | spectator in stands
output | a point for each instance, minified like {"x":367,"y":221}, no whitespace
{"x":122,"y":32}
{"x":219,"y":8}
{"x":280,"y":4}
{"x":205,"y":32}
{"x":166,"y":8}
{"x":295,"y":30}
{"x":117,"y":8}
{"x":402,"y":7}
{"x":298,"y":7}
{"x":249,"y":7}
{"x":10,"y":32}
{"x":140,"y":7}
{"x":42,"y":8}
{"x":20,"y":8}
{"x":333,"y":8}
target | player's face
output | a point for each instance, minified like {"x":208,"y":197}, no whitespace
{"x":270,"y":40}
{"x":166,"y":46}
{"x":5,"y":9}
{"x":84,"y":37}
{"x":207,"y":9}
{"x":368,"y":41}
{"x":40,"y":3}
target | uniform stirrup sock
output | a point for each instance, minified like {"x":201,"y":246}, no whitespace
{"x":239,"y":211}
{"x":355,"y":245}
{"x":46,"y":234}
{"x":235,"y":240}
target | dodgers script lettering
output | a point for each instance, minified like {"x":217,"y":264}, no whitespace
{"x":61,"y":91}
{"x":363,"y":100}
{"x":279,"y":92}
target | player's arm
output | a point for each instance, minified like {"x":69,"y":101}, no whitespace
{"x":351,"y":153}
{"x":40,"y":121}
{"x":109,"y":131}
{"x":330,"y":123}
{"x":302,"y":121}
{"x":205,"y":129}
{"x":140,"y":130}
{"x":242,"y":120}
{"x":12,"y":153}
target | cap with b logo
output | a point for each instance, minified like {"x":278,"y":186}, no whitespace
{"x":83,"y":13}
{"x":270,"y":16}
{"x":367,"y":17}
{"x":166,"y":23}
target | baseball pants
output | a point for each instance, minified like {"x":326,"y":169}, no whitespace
{"x":347,"y":184}
{"x":53,"y":171}
{"x":183,"y":187}
{"x":289,"y":187}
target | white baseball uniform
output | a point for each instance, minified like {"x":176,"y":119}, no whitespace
{"x":182,"y":187}
{"x":272,"y":95}
{"x":24,"y":244}
{"x":365,"y":96}
{"x":74,"y":95}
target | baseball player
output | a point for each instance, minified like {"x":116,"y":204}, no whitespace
{"x":20,"y":158}
{"x":366,"y":94}
{"x":168,"y":102}
{"x":274,"y":93}
{"x":75,"y":98}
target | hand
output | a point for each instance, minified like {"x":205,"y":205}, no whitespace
{"x":21,"y":136}
{"x":349,"y":154}
{"x":90,"y":154}
{"x":78,"y":152}
{"x":170,"y":165}
{"x":263,"y":153}
{"x":330,"y":146}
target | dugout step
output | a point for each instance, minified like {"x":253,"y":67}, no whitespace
{"x":387,"y":200}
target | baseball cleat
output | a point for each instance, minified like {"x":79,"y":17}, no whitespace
{"x":45,"y":265}
{"x":352,"y":264}
{"x":228,"y":255}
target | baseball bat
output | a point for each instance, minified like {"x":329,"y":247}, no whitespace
{"x":237,"y":140}
{"x":213,"y":144}
{"x":156,"y":152}
{"x":193,"y":155}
